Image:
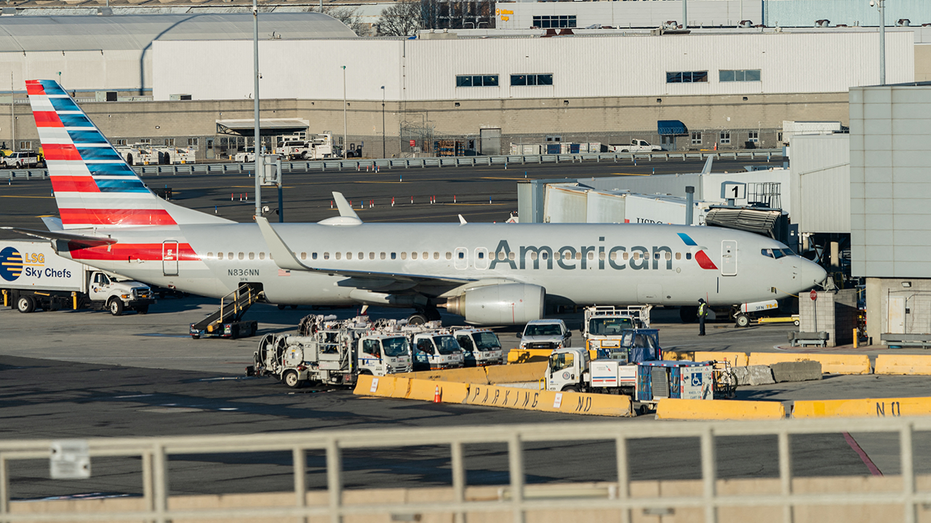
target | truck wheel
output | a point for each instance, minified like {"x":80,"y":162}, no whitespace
{"x":25,"y":304}
{"x":115,"y":306}
{"x":291,"y":380}
{"x":417,"y":319}
{"x":570,"y":389}
{"x":142,"y":309}
{"x":742,"y":320}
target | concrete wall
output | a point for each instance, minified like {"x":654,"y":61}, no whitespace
{"x":917,"y":298}
{"x":834,"y":313}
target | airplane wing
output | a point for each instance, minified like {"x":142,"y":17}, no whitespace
{"x":285,"y":259}
{"x":88,"y":241}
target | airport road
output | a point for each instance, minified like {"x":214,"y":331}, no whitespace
{"x":307,"y":196}
{"x":73,"y":374}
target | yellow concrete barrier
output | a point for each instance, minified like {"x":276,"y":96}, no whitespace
{"x":736,"y":359}
{"x":515,"y":373}
{"x":493,"y":396}
{"x":862,"y":408}
{"x":676,"y":356}
{"x":423,"y":390}
{"x":528,"y":355}
{"x":462,"y":375}
{"x":593,"y":404}
{"x":903,"y":364}
{"x":719,"y":409}
{"x":375,"y":386}
{"x":401,"y":387}
{"x":452,"y":392}
{"x":830,"y":363}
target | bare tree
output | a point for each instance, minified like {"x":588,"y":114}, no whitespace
{"x":400,"y":19}
{"x":348,"y":16}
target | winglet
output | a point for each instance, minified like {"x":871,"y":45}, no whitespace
{"x":347,"y":216}
{"x":282,"y":255}
{"x":462,"y":221}
{"x":707,"y":168}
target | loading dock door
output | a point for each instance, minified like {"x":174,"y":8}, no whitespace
{"x":491,"y":141}
{"x":895,"y":319}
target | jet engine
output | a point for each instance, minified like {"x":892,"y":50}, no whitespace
{"x":504,"y":304}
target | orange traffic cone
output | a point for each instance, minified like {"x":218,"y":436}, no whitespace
{"x":436,"y":395}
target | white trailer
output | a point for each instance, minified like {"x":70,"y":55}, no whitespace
{"x":33,"y":276}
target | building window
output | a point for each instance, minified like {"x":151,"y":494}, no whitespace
{"x":25,"y":146}
{"x":146,"y":141}
{"x":696,"y":138}
{"x":553,"y":138}
{"x":754,"y":136}
{"x":477,"y":80}
{"x":170,"y":142}
{"x":531,"y":79}
{"x":554,"y":21}
{"x":192,"y":142}
{"x":739,"y":75}
{"x":725,"y":137}
{"x":686,"y":77}
{"x":120,"y":141}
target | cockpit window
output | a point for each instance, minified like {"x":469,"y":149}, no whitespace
{"x":776,"y":253}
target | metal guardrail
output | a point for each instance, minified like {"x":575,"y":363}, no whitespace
{"x":435,"y":161}
{"x":517,"y":499}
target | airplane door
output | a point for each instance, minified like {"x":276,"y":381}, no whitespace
{"x":461,"y":258}
{"x":481,"y":258}
{"x":729,"y":258}
{"x":170,"y":257}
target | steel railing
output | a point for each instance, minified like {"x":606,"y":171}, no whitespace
{"x":515,"y":498}
{"x":416,"y":163}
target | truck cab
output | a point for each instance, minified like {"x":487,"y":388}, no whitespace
{"x":436,"y":351}
{"x":545,"y":334}
{"x":381,"y":354}
{"x":567,"y":369}
{"x":481,"y":347}
{"x":604,"y":325}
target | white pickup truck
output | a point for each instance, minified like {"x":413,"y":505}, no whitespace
{"x":33,"y":276}
{"x":635,"y":146}
{"x":19,"y":160}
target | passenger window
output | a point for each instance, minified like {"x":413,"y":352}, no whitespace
{"x":209,"y":255}
{"x":313,"y":256}
{"x":512,"y":256}
{"x":326,"y":256}
{"x":348,"y":255}
{"x":449,"y":255}
{"x":667,"y":255}
{"x":261,"y":255}
{"x":678,"y":255}
{"x":413,"y":255}
{"x":361,"y":256}
{"x":382,"y":256}
{"x":688,"y":256}
{"x":338,"y":254}
{"x":481,"y":255}
{"x":229,"y":256}
{"x":394,"y":256}
{"x":533,"y":255}
{"x":371,"y":255}
{"x":303,"y":255}
{"x":426,"y":255}
{"x":591,"y":255}
{"x":404,"y":255}
{"x":436,"y":256}
{"x":501,"y":255}
{"x":614,"y":256}
{"x":626,"y":255}
{"x":461,"y":255}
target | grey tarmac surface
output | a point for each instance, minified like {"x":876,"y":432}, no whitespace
{"x":88,"y":374}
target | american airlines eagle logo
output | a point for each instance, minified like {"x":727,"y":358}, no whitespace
{"x":700,"y":256}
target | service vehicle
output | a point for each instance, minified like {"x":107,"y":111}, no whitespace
{"x":545,"y":334}
{"x":245,"y":156}
{"x":330,"y":357}
{"x":603,"y":324}
{"x":749,"y":311}
{"x":174,"y":155}
{"x":33,"y":276}
{"x":138,"y":154}
{"x":646,"y":382}
{"x":294,"y":149}
{"x":436,"y":350}
{"x":20,"y":159}
{"x":481,"y":346}
{"x":635,"y":146}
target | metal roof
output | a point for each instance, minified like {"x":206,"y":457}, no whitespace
{"x":125,"y":32}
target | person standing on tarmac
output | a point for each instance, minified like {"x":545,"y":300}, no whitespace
{"x":702,"y":314}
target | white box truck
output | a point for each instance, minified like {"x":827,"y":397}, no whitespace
{"x":33,"y":276}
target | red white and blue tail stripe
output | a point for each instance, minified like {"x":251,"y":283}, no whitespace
{"x":94,"y":187}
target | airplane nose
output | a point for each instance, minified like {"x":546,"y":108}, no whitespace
{"x":812,"y":273}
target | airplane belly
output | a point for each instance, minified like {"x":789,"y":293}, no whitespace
{"x":302,"y":288}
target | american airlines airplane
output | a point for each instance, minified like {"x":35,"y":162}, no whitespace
{"x":491,"y":274}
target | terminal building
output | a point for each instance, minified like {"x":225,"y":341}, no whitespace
{"x":187,"y":79}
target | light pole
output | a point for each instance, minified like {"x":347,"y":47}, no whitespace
{"x":258,"y":129}
{"x":882,"y":40}
{"x":383,"y":153}
{"x":345,"y":143}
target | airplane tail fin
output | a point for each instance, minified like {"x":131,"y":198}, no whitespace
{"x":93,"y":186}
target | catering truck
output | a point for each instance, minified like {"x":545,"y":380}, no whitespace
{"x":33,"y":276}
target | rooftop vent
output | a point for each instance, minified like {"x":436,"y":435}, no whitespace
{"x":745,"y":23}
{"x":822,"y":23}
{"x":903,"y":22}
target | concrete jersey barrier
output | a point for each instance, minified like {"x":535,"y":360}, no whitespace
{"x":903,"y":364}
{"x":862,"y":408}
{"x":830,"y":363}
{"x":680,"y":409}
